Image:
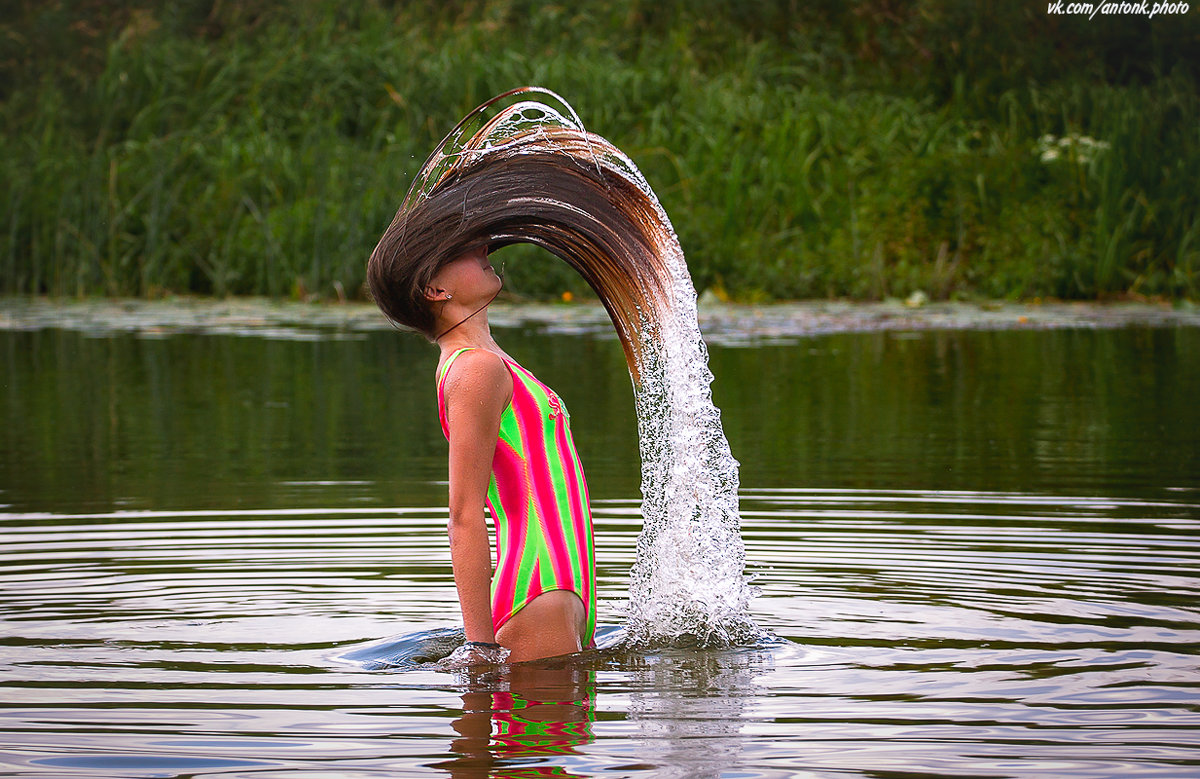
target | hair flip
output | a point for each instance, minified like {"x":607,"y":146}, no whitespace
{"x":534,"y":175}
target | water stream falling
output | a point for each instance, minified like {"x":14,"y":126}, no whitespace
{"x":687,"y":586}
{"x":688,"y":581}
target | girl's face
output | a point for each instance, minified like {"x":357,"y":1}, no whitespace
{"x":468,"y":277}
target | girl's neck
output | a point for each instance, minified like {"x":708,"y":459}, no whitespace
{"x":473,"y":333}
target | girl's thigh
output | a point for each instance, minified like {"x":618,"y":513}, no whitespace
{"x":551,"y":624}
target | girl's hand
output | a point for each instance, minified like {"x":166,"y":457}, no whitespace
{"x":474,"y":653}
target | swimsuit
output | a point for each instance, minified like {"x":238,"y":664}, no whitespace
{"x":538,"y":500}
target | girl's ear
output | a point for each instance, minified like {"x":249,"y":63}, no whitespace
{"x":434,"y":294}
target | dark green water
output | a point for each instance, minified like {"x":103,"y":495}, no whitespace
{"x":198,"y":421}
{"x":979,"y":551}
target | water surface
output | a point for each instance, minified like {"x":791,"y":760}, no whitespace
{"x":978,"y":551}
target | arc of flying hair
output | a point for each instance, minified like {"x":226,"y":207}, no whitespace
{"x":546,"y":182}
{"x":477,"y":138}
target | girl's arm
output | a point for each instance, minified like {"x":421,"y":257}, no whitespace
{"x":476,"y":393}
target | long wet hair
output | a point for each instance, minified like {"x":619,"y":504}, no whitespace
{"x":557,"y":187}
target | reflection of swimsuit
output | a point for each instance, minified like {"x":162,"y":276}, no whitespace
{"x":538,"y":499}
{"x":525,"y":727}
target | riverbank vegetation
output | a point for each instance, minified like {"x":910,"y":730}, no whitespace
{"x":862,"y":149}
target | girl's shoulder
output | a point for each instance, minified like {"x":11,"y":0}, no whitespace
{"x":473,"y":366}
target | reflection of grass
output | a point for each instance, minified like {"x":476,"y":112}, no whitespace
{"x":267,"y":159}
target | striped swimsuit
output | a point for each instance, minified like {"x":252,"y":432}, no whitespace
{"x":538,"y":500}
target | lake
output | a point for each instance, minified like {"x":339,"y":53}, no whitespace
{"x":977,"y":550}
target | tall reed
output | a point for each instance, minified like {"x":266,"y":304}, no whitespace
{"x":260,"y":149}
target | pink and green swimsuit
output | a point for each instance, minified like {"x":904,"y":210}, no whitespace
{"x":538,"y":499}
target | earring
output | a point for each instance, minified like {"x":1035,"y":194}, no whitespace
{"x":448,"y":296}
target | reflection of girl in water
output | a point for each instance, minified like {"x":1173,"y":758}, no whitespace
{"x":509,"y":434}
{"x":537,"y":711}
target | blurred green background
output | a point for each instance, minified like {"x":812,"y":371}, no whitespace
{"x":832,"y":148}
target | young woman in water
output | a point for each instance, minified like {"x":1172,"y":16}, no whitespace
{"x":575,"y":195}
{"x":510,"y":450}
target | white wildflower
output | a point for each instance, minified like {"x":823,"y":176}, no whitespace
{"x":1081,"y":149}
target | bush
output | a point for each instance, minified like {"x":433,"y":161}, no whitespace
{"x":823,"y":149}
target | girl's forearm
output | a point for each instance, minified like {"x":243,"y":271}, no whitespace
{"x":471,"y":558}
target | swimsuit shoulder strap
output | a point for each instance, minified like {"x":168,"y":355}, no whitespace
{"x":442,"y":371}
{"x":441,"y":389}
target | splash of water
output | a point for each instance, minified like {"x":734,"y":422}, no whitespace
{"x":687,"y":586}
{"x":688,"y":583}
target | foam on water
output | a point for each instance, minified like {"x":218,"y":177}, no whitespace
{"x":688,"y":584}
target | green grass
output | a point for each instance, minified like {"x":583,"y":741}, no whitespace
{"x":265,"y":150}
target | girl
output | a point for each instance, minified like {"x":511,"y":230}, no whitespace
{"x":556,"y":186}
{"x":511,"y":450}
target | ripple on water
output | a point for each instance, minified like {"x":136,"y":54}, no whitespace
{"x":947,"y":634}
